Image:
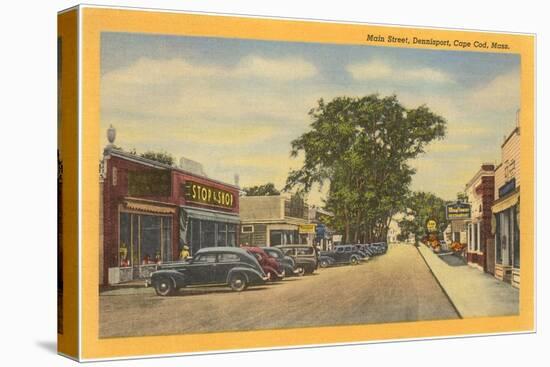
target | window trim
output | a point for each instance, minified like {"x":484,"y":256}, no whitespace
{"x":251,"y":226}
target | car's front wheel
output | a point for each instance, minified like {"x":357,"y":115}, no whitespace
{"x":164,"y":287}
{"x":324,"y":263}
{"x":353,"y":260}
{"x":238,"y":282}
{"x":300,"y":270}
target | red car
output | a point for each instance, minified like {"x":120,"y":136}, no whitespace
{"x":269,"y":264}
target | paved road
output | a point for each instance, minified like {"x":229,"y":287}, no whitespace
{"x":393,"y":287}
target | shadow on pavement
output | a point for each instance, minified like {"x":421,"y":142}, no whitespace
{"x":186,"y":292}
{"x":452,"y":259}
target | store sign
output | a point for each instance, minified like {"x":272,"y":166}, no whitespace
{"x":320,"y":231}
{"x":337,"y":238}
{"x":204,"y":194}
{"x":306,"y":228}
{"x":431,"y":225}
{"x":507,"y":188}
{"x":458,"y":210}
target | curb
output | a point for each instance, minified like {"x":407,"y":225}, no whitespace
{"x":439,"y":283}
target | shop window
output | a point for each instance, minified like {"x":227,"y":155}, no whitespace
{"x":144,"y":239}
{"x":498,"y":240}
{"x":247,"y":229}
{"x":125,"y":237}
{"x":167,"y":239}
{"x":231,"y":235}
{"x":221,"y":239}
{"x":202,"y":233}
{"x":135,"y":240}
{"x":275,"y":238}
{"x":284,"y":237}
{"x":515,"y":214}
{"x":150,"y":239}
{"x":208,"y":234}
{"x":195,"y":243}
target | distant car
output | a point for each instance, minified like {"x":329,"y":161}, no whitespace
{"x":343,"y":254}
{"x":232,"y":266}
{"x":375,"y":248}
{"x":269,"y":264}
{"x":361,"y":252}
{"x":305,"y":257}
{"x":287,"y":262}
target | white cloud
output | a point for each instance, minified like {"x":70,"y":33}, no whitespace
{"x":376,"y":70}
{"x":160,"y":71}
{"x":283,"y":69}
{"x":502,"y":92}
{"x":255,"y":88}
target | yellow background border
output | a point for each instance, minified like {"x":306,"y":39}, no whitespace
{"x":96,"y":20}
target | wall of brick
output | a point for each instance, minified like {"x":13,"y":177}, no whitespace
{"x":115,"y":189}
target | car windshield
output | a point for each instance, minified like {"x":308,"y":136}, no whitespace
{"x":304,"y":251}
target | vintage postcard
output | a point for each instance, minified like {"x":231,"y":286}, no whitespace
{"x":236,"y":183}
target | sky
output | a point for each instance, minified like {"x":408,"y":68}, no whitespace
{"x":236,"y":105}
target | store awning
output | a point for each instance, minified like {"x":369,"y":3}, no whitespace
{"x":211,"y":215}
{"x":148,"y":207}
{"x":505,"y":203}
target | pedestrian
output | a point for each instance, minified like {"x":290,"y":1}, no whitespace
{"x":184,"y":253}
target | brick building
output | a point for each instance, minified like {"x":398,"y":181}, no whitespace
{"x":151,"y":210}
{"x":480,"y":192}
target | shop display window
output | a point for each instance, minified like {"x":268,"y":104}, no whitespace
{"x":144,"y":239}
{"x":204,"y":233}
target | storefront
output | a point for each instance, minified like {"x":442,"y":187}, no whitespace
{"x":207,"y":229}
{"x":480,"y":193}
{"x":152,"y":210}
{"x":274,"y":220}
{"x":506,"y":212}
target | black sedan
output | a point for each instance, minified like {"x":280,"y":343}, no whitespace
{"x":234,"y":267}
{"x":343,"y":254}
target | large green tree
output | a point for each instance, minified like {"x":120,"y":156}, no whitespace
{"x":360,"y":147}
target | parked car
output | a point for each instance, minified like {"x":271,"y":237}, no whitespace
{"x":269,"y":264}
{"x":305,"y":257}
{"x":343,"y":254}
{"x":212,"y":265}
{"x":361,"y":252}
{"x":375,"y":248}
{"x":287,"y":262}
{"x":325,"y":260}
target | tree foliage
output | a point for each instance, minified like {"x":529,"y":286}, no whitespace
{"x":360,"y":147}
{"x":161,"y":157}
{"x":267,"y":189}
{"x":422,"y":206}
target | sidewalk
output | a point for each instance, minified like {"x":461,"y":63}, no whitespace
{"x":473,"y":292}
